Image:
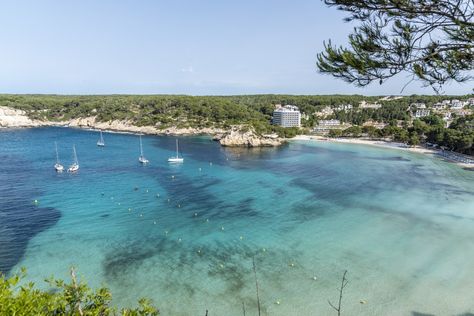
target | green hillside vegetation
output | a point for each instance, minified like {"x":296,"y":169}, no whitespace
{"x":183,"y":111}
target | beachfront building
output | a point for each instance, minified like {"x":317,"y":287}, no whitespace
{"x":367,"y":105}
{"x":326,"y":111}
{"x":344,"y":107}
{"x":456,"y":105}
{"x":324,"y":126}
{"x":439,"y":106}
{"x":418,"y":106}
{"x":329,"y":123}
{"x":422,"y":113}
{"x":287,"y":116}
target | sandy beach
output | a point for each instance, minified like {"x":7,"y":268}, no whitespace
{"x":386,"y":144}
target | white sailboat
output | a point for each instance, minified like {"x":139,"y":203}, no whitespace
{"x":101,"y":142}
{"x":58,"y":166}
{"x":142,"y":158}
{"x":75,"y":165}
{"x":176,"y":159}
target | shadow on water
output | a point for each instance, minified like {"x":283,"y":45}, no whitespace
{"x":20,"y":218}
{"x":176,"y":267}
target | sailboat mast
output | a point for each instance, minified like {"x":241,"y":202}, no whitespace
{"x":141,"y":146}
{"x":176,"y":148}
{"x":75,"y":155}
{"x":57,"y":156}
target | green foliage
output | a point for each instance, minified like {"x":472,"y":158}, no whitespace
{"x":62,"y":298}
{"x":395,"y":36}
{"x":334,"y":133}
{"x":254,"y":111}
{"x":353,"y":131}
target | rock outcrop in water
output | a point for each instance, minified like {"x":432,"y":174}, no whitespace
{"x":240,"y":136}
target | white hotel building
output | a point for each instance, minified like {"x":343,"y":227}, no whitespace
{"x":287,"y":116}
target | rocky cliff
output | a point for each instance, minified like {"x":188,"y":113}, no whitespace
{"x":241,"y":137}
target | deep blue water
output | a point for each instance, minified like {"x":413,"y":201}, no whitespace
{"x":185,"y":235}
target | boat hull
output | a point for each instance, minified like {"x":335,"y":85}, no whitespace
{"x":175,"y":160}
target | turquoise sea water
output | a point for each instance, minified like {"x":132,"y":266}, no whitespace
{"x":402,"y":224}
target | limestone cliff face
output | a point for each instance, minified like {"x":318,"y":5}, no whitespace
{"x":10,"y":117}
{"x":238,"y":137}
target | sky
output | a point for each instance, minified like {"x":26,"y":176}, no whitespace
{"x":197,"y":47}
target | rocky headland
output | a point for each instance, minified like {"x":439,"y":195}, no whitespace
{"x":237,"y":136}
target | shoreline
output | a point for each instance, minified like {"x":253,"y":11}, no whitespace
{"x":437,"y":153}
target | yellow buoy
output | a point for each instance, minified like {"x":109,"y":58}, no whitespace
{"x":277,"y":302}
{"x":315,"y":278}
{"x":35,"y":201}
{"x":291,"y":264}
{"x":363,"y":301}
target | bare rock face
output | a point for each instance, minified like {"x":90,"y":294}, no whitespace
{"x":10,"y":117}
{"x":241,"y":137}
